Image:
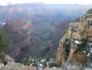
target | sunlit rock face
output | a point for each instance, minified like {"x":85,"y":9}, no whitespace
{"x":76,"y":44}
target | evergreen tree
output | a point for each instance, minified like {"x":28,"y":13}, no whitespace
{"x":5,"y":42}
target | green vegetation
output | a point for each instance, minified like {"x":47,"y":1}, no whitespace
{"x":5,"y":42}
{"x":26,"y":60}
{"x":1,"y":58}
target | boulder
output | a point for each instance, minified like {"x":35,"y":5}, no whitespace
{"x":7,"y":59}
{"x":1,"y":65}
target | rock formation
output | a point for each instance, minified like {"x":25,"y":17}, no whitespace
{"x":16,"y":66}
{"x":18,"y":30}
{"x":9,"y":64}
{"x":20,"y":33}
{"x":75,"y":46}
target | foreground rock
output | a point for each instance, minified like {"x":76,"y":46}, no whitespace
{"x":1,"y":65}
{"x":9,"y":64}
{"x":7,"y":58}
{"x":76,"y":44}
{"x":53,"y":68}
{"x":16,"y":66}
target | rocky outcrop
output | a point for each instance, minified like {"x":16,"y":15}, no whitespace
{"x":9,"y":64}
{"x":16,"y":66}
{"x":7,"y":59}
{"x":76,"y":43}
{"x":1,"y":65}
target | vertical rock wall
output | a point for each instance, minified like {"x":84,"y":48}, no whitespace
{"x":74,"y":45}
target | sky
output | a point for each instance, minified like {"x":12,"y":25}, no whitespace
{"x":82,"y":2}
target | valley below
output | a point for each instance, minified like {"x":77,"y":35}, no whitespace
{"x":37,"y":31}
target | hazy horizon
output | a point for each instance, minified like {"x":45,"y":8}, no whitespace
{"x":80,"y":2}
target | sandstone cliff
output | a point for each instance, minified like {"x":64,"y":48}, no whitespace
{"x":76,"y":44}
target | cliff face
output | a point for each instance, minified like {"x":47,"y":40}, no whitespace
{"x":18,"y":29}
{"x":20,"y":33}
{"x":75,"y":46}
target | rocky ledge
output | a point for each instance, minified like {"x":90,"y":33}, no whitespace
{"x":9,"y":64}
{"x":15,"y":66}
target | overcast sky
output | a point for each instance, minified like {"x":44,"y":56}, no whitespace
{"x":83,"y":2}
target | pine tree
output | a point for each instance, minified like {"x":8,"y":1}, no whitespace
{"x":5,"y":42}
